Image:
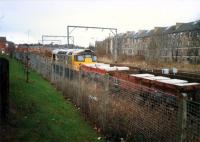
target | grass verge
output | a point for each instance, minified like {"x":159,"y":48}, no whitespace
{"x":38,"y":112}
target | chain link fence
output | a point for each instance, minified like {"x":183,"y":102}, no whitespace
{"x":123,"y":110}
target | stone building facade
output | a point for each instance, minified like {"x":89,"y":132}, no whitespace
{"x":179,"y":43}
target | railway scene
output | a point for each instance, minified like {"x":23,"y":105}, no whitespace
{"x":84,"y":71}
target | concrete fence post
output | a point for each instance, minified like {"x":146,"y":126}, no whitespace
{"x":58,"y":75}
{"x":4,"y":88}
{"x":80,"y":94}
{"x":105,"y":100}
{"x":51,"y":72}
{"x":182,"y":117}
{"x":63,"y":77}
{"x":70,"y":73}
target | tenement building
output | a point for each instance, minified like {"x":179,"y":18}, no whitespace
{"x":179,"y":43}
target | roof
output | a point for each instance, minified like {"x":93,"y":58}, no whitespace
{"x":159,"y":30}
{"x":71,"y":51}
{"x":189,"y":26}
{"x":55,"y":51}
{"x":147,"y":33}
{"x":78,"y":51}
{"x":141,"y":34}
{"x":2,"y":39}
{"x":169,"y":29}
{"x":179,"y":27}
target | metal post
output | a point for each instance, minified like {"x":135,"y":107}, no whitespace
{"x":27,"y":62}
{"x":68,"y":36}
{"x":4,"y":88}
{"x":105,"y":100}
{"x":183,"y":117}
{"x":79,"y":97}
{"x":73,"y":42}
{"x":115,"y":49}
{"x":69,"y":73}
{"x":64,"y":76}
{"x":42,"y":39}
{"x":52,"y":73}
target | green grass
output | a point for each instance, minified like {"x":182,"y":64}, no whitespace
{"x":40,"y":113}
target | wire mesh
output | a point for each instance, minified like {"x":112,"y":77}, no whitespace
{"x":123,"y":110}
{"x":193,"y":121}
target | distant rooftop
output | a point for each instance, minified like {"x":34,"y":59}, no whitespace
{"x":179,"y":27}
{"x":2,"y":39}
{"x":189,"y":26}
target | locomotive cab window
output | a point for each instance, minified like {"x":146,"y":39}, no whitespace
{"x":88,"y":56}
{"x":94,"y":58}
{"x":80,"y":58}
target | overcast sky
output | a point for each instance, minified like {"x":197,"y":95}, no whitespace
{"x":38,"y":17}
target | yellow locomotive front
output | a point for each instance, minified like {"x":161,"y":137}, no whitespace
{"x":74,"y":58}
{"x":82,"y":56}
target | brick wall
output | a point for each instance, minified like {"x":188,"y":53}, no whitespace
{"x":2,"y":43}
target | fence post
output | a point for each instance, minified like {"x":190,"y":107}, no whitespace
{"x":27,"y":66}
{"x":182,"y":117}
{"x":105,"y":100}
{"x":4,"y":88}
{"x":51,"y":70}
{"x":80,"y":94}
{"x":63,"y":77}
{"x":69,"y":67}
